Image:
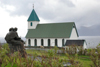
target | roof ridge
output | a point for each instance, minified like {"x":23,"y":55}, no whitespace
{"x":58,"y":23}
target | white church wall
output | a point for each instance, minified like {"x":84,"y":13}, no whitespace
{"x":45,"y":42}
{"x":26,"y":42}
{"x":38,"y":42}
{"x":32,"y":42}
{"x":73,"y":34}
{"x":52,"y":42}
{"x":59,"y":42}
{"x":34,"y":24}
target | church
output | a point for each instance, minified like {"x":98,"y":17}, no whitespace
{"x":49,"y":34}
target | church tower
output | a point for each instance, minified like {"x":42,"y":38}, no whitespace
{"x":33,"y":20}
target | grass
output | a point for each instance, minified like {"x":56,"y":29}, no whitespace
{"x":50,"y":58}
{"x":38,"y":52}
{"x":85,"y":60}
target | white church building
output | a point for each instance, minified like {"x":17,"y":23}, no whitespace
{"x":49,"y":34}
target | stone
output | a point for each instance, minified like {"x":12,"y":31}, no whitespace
{"x":15,"y":42}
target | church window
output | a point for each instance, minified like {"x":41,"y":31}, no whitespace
{"x":31,"y":24}
{"x":55,"y":42}
{"x":29,"y":42}
{"x":62,"y":42}
{"x":48,"y":42}
{"x":41,"y":42}
{"x":35,"y":42}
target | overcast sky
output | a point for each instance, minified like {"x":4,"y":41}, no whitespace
{"x":85,"y":14}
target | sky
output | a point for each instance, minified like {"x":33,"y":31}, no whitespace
{"x":85,"y":14}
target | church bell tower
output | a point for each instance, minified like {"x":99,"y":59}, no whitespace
{"x":33,"y":20}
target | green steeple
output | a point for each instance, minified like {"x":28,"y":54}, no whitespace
{"x":33,"y":16}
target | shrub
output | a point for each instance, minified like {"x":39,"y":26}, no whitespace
{"x":55,"y":49}
{"x":51,"y":53}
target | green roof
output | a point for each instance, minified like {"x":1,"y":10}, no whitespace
{"x":33,"y":16}
{"x":52,"y":30}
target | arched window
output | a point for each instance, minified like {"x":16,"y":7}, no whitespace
{"x":35,"y":42}
{"x":48,"y":42}
{"x":41,"y":42}
{"x":62,"y":42}
{"x":55,"y":42}
{"x":31,"y":24}
{"x":29,"y":42}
